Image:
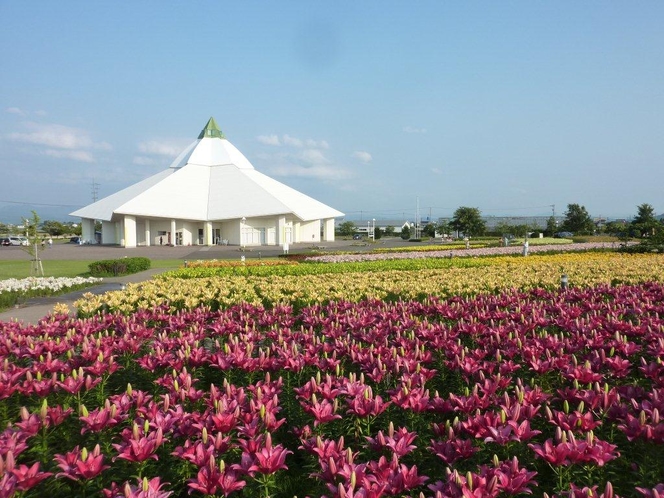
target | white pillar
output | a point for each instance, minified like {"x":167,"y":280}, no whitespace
{"x":129,"y":231}
{"x":88,"y":230}
{"x":148,"y":241}
{"x":281,"y":230}
{"x":328,"y":230}
{"x":172,"y":232}
{"x":207,"y":234}
{"x":108,"y":232}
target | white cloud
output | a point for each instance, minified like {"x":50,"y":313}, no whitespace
{"x":292,"y":141}
{"x":321,"y":144}
{"x":411,"y":129}
{"x":15,"y":110}
{"x":58,"y":136}
{"x":319,"y":172}
{"x":269,"y":140}
{"x":143,"y":161}
{"x":363,"y":156}
{"x":75,"y":155}
{"x":313,"y":157}
{"x":59,"y":141}
{"x":160,"y":148}
{"x":436,"y":171}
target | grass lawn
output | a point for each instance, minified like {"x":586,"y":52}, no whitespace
{"x":66,"y":268}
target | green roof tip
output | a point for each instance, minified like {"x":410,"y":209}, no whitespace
{"x":211,"y":130}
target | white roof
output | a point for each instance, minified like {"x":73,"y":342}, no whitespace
{"x":209,"y":180}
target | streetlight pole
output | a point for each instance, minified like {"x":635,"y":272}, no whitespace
{"x":242,"y":233}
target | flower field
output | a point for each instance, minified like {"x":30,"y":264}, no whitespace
{"x":483,"y":380}
{"x":12,"y":290}
{"x":307,"y":284}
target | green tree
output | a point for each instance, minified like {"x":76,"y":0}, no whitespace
{"x":469,"y":221}
{"x":405,"y":232}
{"x":645,"y":224}
{"x":31,"y":232}
{"x":551,"y":226}
{"x":389,"y":231}
{"x":53,"y":228}
{"x":577,"y":220}
{"x":430,"y":229}
{"x":378,"y":233}
{"x":347,"y":229}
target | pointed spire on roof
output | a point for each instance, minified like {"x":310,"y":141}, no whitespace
{"x":211,"y":130}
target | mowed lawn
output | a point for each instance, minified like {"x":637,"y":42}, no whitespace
{"x":65,"y":268}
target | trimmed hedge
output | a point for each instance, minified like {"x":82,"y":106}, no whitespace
{"x":115,"y":267}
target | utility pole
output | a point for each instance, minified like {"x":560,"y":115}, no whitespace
{"x":95,"y":190}
{"x":417,"y":219}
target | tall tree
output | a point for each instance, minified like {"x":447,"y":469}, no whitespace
{"x":54,"y":228}
{"x":577,"y":220}
{"x":31,"y":231}
{"x":551,"y":226}
{"x":645,"y":224}
{"x":468,"y":220}
{"x":347,"y":229}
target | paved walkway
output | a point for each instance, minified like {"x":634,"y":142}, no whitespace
{"x":37,"y":308}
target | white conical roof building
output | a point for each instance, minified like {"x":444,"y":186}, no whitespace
{"x":210,"y":194}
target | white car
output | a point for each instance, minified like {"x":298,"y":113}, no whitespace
{"x":18,"y":241}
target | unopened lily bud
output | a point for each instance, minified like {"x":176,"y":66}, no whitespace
{"x":146,"y":485}
{"x":581,"y":406}
{"x":566,"y":406}
{"x":496,"y":461}
{"x":84,"y":454}
{"x":129,"y":390}
{"x":469,"y":480}
{"x":608,"y":490}
{"x":353,"y":479}
{"x":134,"y":431}
{"x":43,"y":411}
{"x":222,"y":466}
{"x":204,"y":435}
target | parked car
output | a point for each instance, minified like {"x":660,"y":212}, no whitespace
{"x":18,"y":241}
{"x":75,"y":240}
{"x":563,"y":235}
{"x":357,"y":236}
{"x":4,"y":241}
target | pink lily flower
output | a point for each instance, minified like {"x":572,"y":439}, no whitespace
{"x":81,"y":465}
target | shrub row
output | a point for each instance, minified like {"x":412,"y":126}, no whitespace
{"x":115,"y":267}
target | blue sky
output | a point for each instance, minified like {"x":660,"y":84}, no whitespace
{"x":511,"y":107}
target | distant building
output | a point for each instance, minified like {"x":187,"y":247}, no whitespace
{"x":211,"y":194}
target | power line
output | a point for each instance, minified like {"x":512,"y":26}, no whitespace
{"x":39,"y":204}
